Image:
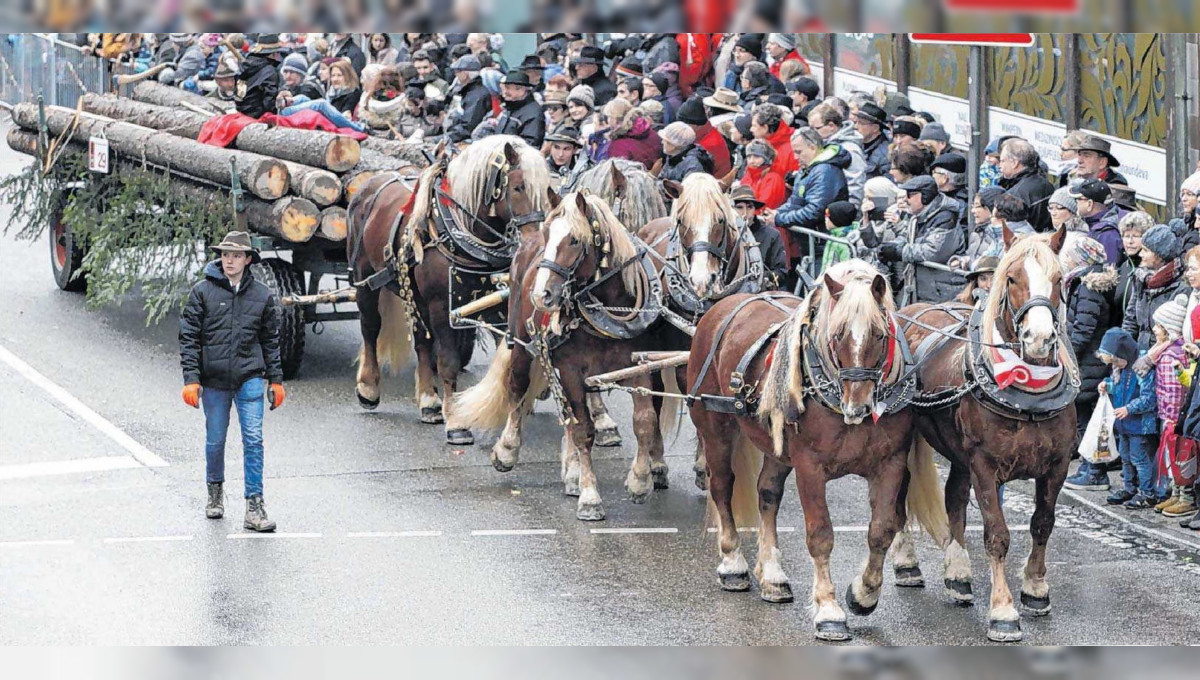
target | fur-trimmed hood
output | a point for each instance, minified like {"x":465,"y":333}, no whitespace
{"x":1102,"y":281}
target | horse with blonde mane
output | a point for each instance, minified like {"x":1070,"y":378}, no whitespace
{"x":573,"y":299}
{"x":1000,"y":385}
{"x":833,"y":403}
{"x":416,"y":252}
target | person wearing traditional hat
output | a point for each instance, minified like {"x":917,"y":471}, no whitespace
{"x":522,"y":115}
{"x":229,"y":352}
{"x":933,"y":235}
{"x":694,"y":114}
{"x":1094,"y":155}
{"x":259,"y":82}
{"x":724,"y":100}
{"x":534,"y":70}
{"x":588,"y":69}
{"x":474,"y":100}
{"x":770,"y":242}
{"x":781,"y":47}
{"x":871,"y":121}
{"x":979,"y":281}
{"x":629,"y":67}
{"x":225,"y":78}
{"x":683,"y":155}
{"x":565,"y":157}
{"x":1124,"y":197}
{"x":554,"y":102}
{"x":1159,"y":278}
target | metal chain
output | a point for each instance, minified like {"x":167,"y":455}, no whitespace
{"x":537,"y":339}
{"x":944,"y":401}
{"x":405,"y":285}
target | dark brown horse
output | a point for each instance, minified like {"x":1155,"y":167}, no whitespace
{"x":990,"y":442}
{"x":581,"y":245}
{"x":825,"y":365}
{"x":703,"y":257}
{"x":459,"y":225}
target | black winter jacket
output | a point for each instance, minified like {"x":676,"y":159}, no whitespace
{"x":476,"y":104}
{"x":524,"y":119}
{"x":1032,"y":187}
{"x":602,"y":87}
{"x":875,"y":154}
{"x":261,"y":81}
{"x":684,"y":163}
{"x":1149,"y":291}
{"x":774,"y":255}
{"x":1089,"y":308}
{"x":227,"y":338}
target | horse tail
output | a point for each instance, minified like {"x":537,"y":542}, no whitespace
{"x":669,"y":422}
{"x":746,"y":464}
{"x":926,"y":502}
{"x":395,"y":334}
{"x":486,"y":405}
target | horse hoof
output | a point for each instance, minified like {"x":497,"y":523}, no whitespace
{"x":702,"y":480}
{"x":637,"y":498}
{"x":833,"y":631}
{"x":1004,"y":631}
{"x":431,"y":415}
{"x":368,"y":404}
{"x":959,"y":591}
{"x":1038,"y":606}
{"x":734,"y":583}
{"x":660,"y":478}
{"x":608,"y":437}
{"x":570,"y":488}
{"x":500,"y":465}
{"x":778,"y":593}
{"x":909,"y":577}
{"x":460,"y":437}
{"x":855,"y":607}
{"x":589,"y":513}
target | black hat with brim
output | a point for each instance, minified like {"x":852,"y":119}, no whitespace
{"x":745,"y":194}
{"x":873,"y":113}
{"x":590,"y":55}
{"x":531,"y":63}
{"x":516,"y":77}
{"x":268,"y":43}
{"x":906,"y":127}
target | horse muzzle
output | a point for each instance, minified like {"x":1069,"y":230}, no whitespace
{"x":855,"y":414}
{"x":547,"y":299}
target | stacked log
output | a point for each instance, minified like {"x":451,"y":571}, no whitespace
{"x":153,"y":92}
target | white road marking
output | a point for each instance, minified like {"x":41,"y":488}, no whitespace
{"x":514,"y":532}
{"x":24,"y":544}
{"x":148,"y":539}
{"x":636,"y":530}
{"x":66,"y":467}
{"x":1178,"y":540}
{"x":275,"y":535}
{"x":391,"y":534}
{"x":139,"y":452}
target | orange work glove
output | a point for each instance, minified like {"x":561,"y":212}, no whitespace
{"x":276,"y":395}
{"x":191,"y":395}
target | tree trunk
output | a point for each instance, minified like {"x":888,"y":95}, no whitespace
{"x":405,"y":151}
{"x":319,"y":186}
{"x":291,"y":218}
{"x":262,"y":176}
{"x":352,"y":182}
{"x":334,"y":223}
{"x":153,"y":92}
{"x":309,"y":147}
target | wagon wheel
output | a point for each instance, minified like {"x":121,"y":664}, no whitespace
{"x":281,"y":277}
{"x":66,"y":255}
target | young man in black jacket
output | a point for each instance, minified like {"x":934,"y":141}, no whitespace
{"x":229,"y":351}
{"x":770,"y":242}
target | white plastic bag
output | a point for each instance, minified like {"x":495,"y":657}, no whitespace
{"x":1098,"y":445}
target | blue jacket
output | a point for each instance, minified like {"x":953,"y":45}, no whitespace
{"x":818,"y":185}
{"x":1132,"y":392}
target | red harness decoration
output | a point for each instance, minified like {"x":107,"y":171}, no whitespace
{"x":891,"y":351}
{"x":412,"y":199}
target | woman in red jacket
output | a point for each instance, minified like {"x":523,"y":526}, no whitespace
{"x":767,"y":184}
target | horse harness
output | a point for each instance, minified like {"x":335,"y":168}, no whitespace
{"x":679,"y":289}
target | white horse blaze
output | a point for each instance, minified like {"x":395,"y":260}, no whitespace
{"x":698,"y":275}
{"x":559,"y":229}
{"x":1038,"y":321}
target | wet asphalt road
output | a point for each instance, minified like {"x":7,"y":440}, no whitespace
{"x":387,"y":535}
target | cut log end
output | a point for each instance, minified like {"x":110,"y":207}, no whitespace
{"x":298,"y":220}
{"x":334,"y":223}
{"x":271,"y":181}
{"x":342,"y":154}
{"x":355,"y":183}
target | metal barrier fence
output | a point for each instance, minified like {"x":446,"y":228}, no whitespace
{"x":38,"y":64}
{"x":811,"y":263}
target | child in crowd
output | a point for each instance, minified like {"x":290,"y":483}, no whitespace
{"x":1136,"y":426}
{"x":1166,"y":355}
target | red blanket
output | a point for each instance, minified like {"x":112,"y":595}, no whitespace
{"x":222,"y":130}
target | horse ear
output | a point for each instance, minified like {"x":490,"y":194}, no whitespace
{"x":439,"y":151}
{"x":833,"y":286}
{"x":581,"y":202}
{"x":618,"y":182}
{"x":553,"y":198}
{"x":1009,"y":236}
{"x":1058,"y":239}
{"x":511,"y":155}
{"x":879,"y":287}
{"x":672,"y":188}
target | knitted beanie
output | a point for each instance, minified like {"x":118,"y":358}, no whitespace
{"x":1172,"y":314}
{"x":583,"y":94}
{"x":1161,"y":241}
{"x":1063,"y":197}
{"x":296,"y":63}
{"x":762,"y":149}
{"x":679,"y":134}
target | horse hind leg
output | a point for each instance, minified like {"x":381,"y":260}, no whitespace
{"x":773,"y":582}
{"x":957,"y":563}
{"x":1035,"y":591}
{"x":905,"y":565}
{"x":888,"y":490}
{"x":428,"y":399}
{"x":370,"y":322}
{"x":607,"y":434}
{"x":726,"y":445}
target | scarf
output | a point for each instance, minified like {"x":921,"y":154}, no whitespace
{"x":1163,"y":276}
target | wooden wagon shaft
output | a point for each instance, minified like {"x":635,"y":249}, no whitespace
{"x":290,"y":218}
{"x":636,"y":371}
{"x":153,"y":92}
{"x":264,"y":177}
{"x":131,"y":78}
{"x":334,"y":223}
{"x":330,"y":297}
{"x":476,"y":306}
{"x":643,"y":357}
{"x":678,"y":321}
{"x":324,"y":150}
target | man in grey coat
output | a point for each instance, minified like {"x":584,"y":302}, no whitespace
{"x":934,"y":236}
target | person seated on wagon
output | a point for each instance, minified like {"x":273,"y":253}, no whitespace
{"x":770,"y":242}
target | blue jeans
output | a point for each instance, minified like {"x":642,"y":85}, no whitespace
{"x":323,"y":107}
{"x":1137,"y":462}
{"x":249,"y":400}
